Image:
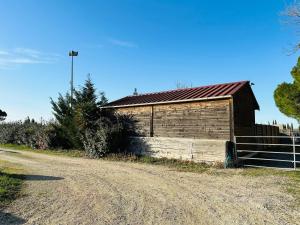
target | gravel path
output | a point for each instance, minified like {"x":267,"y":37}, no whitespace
{"x":63,"y":190}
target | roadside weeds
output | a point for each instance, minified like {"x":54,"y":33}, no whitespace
{"x":11,"y":181}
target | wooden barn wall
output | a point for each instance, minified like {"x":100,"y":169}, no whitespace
{"x":141,"y":118}
{"x":244,"y":112}
{"x":205,"y":119}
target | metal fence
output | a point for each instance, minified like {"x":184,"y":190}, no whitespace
{"x":281,"y":152}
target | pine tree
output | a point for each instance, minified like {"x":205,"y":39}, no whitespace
{"x":87,"y":108}
{"x":103,"y":100}
{"x":67,"y":132}
{"x":85,"y":111}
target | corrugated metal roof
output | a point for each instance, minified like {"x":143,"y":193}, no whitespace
{"x":181,"y":95}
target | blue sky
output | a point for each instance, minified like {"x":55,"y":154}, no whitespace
{"x":148,"y":45}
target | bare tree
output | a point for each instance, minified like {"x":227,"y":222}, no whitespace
{"x":180,"y":85}
{"x":291,"y":17}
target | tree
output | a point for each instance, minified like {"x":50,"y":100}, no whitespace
{"x":87,"y":105}
{"x":67,"y":132}
{"x":180,"y":85}
{"x":291,"y":16}
{"x":287,"y":95}
{"x":74,"y":120}
{"x":3,"y":115}
{"x":85,"y":125}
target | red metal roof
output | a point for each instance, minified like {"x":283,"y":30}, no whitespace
{"x":181,"y":95}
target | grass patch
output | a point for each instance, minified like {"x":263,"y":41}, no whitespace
{"x":10,"y":183}
{"x":292,"y":185}
{"x":178,"y":165}
{"x":62,"y":152}
{"x":15,"y":147}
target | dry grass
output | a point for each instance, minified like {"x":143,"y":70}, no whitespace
{"x":293,"y":178}
{"x":178,"y":165}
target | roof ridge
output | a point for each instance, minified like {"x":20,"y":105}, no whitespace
{"x":191,"y":88}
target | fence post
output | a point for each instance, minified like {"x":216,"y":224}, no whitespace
{"x":294,"y":151}
{"x":191,"y":151}
{"x":235,"y":152}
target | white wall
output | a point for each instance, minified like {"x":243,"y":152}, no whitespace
{"x":197,"y":150}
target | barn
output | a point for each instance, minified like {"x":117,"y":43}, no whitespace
{"x":190,"y":123}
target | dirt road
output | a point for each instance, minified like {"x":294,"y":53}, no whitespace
{"x":62,"y":190}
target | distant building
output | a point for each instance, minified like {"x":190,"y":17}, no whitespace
{"x":287,"y":129}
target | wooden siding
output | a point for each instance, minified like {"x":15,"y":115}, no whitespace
{"x":244,"y":112}
{"x":142,"y":118}
{"x":204,"y":119}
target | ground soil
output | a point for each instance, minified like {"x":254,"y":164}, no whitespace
{"x":64,"y":190}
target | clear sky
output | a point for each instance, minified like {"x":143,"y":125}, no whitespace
{"x":149,"y":45}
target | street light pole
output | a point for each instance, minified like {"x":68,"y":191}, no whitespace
{"x":72,"y":54}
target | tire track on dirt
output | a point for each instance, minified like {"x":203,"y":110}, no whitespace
{"x":105,"y":192}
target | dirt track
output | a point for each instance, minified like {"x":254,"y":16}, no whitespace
{"x":62,"y":190}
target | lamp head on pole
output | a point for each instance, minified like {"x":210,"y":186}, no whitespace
{"x":73,"y":53}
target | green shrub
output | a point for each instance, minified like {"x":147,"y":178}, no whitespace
{"x":109,"y":134}
{"x":80,"y":123}
{"x":29,"y":133}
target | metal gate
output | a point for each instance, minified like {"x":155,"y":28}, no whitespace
{"x":282,"y":152}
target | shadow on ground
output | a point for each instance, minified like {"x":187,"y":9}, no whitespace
{"x":2,"y":151}
{"x":32,"y":177}
{"x":10,"y":219}
{"x":41,"y":177}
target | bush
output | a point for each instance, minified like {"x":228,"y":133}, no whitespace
{"x":29,"y":133}
{"x":109,"y":135}
{"x":80,"y":123}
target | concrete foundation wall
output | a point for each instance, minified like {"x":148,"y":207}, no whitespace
{"x":197,"y":150}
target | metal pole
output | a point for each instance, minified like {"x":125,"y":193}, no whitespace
{"x":294,"y":151}
{"x":71,"y":82}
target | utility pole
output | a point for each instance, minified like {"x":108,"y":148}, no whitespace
{"x":72,"y":54}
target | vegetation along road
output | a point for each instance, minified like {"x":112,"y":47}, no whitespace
{"x":65,"y":190}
